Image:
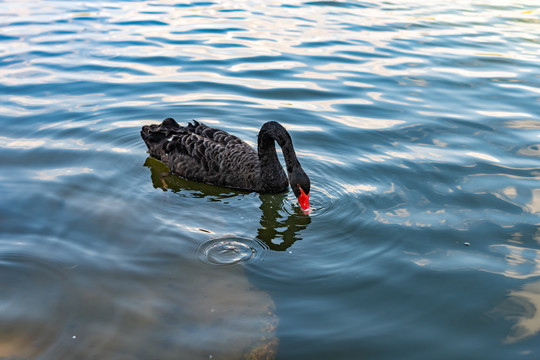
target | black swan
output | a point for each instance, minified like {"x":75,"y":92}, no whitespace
{"x":200,"y":153}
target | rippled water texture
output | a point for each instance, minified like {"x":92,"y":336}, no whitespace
{"x":417,"y":122}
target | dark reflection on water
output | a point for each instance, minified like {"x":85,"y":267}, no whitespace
{"x":278,"y":229}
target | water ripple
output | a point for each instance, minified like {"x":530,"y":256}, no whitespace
{"x":229,"y":250}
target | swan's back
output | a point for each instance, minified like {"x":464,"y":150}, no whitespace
{"x":201,"y":153}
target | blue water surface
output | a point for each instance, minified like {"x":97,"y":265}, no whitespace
{"x":417,"y":122}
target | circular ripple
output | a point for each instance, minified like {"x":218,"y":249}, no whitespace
{"x":228,"y":251}
{"x":323,"y":199}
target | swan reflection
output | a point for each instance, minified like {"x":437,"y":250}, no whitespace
{"x":278,"y":228}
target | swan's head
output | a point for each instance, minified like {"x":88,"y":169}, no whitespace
{"x":300,"y":185}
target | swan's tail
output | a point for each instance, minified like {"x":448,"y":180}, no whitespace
{"x":156,"y":135}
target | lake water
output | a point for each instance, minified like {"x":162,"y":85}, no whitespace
{"x":417,"y":122}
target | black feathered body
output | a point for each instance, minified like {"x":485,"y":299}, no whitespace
{"x":201,"y":153}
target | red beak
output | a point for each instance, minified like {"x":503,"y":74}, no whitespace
{"x":303,"y":199}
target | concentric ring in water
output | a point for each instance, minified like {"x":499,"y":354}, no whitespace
{"x":324,"y":198}
{"x":228,"y":251}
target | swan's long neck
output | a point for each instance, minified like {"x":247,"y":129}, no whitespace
{"x":271,"y":170}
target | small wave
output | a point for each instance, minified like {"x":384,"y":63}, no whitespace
{"x":229,"y":250}
{"x":330,"y":199}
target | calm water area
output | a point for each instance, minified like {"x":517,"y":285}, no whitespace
{"x":418,"y":123}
